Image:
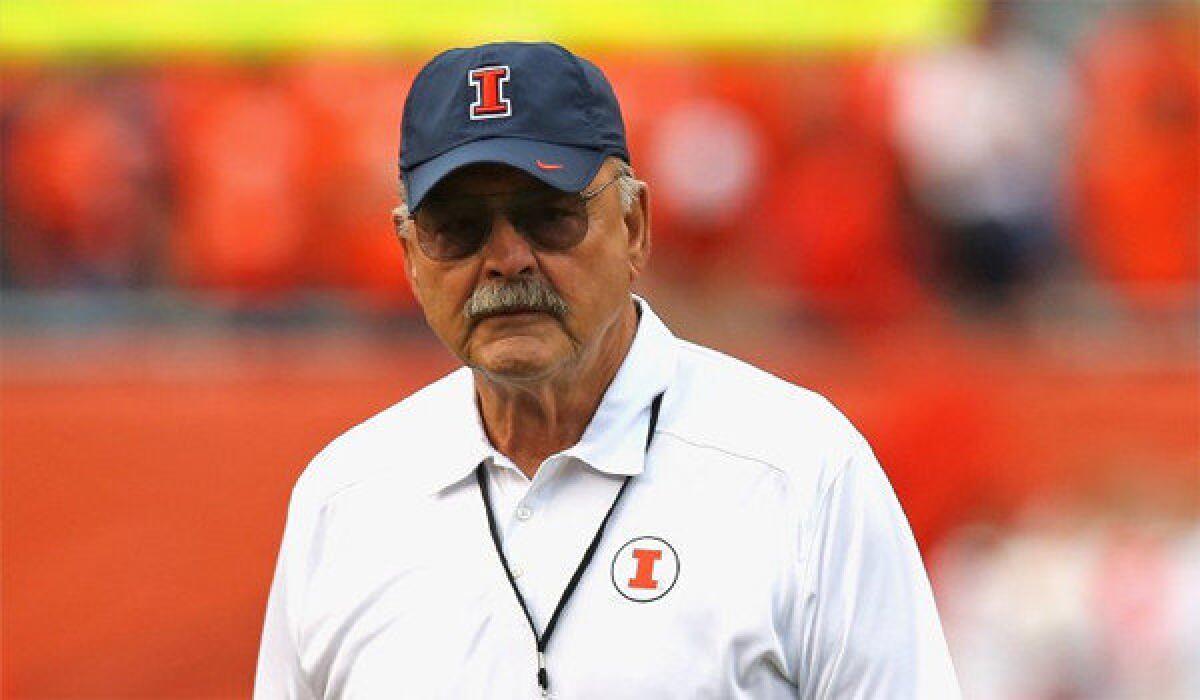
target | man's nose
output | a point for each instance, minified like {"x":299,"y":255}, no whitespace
{"x":506,"y":253}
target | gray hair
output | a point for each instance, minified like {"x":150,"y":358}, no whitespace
{"x":516,"y":294}
{"x":628,"y":188}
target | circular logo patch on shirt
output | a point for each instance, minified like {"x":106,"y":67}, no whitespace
{"x":645,"y":569}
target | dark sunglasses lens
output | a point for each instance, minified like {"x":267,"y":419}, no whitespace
{"x":451,"y":230}
{"x":551,"y":222}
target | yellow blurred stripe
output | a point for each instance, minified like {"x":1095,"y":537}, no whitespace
{"x":55,"y":27}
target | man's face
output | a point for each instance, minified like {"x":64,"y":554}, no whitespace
{"x":593,"y":279}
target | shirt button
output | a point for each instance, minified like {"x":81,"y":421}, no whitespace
{"x":517,"y":572}
{"x":524,"y":513}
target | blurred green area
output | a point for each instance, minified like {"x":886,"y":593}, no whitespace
{"x":33,"y":28}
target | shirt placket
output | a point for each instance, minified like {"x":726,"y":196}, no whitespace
{"x":526,"y":541}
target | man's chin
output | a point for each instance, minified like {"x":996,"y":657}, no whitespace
{"x":520,"y":359}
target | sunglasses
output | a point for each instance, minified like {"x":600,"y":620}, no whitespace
{"x":454,"y":228}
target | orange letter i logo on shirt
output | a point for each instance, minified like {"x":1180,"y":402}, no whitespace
{"x":643,"y":577}
{"x":645,"y":569}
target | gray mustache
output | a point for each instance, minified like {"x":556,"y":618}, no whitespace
{"x":520,"y":294}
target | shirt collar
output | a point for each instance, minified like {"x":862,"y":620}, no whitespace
{"x":614,"y":441}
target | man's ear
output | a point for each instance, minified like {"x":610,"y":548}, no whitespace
{"x":402,"y":226}
{"x":637,"y":227}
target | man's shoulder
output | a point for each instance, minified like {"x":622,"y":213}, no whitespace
{"x":384,"y":445}
{"x":733,"y":406}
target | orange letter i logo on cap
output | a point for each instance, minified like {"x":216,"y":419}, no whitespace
{"x":490,"y":102}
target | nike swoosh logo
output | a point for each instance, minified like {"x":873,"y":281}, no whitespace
{"x":548,"y":166}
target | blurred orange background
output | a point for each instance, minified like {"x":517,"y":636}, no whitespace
{"x":984,"y":251}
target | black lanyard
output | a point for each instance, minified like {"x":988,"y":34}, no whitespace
{"x":543,"y":639}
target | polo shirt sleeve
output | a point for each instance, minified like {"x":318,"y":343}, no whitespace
{"x":279,"y":675}
{"x":866,"y":625}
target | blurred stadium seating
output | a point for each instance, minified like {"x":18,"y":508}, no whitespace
{"x":982,"y":244}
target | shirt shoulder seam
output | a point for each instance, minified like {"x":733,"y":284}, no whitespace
{"x":321,"y":500}
{"x":707,"y":446}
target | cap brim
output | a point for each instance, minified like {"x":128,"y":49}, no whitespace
{"x":567,"y":168}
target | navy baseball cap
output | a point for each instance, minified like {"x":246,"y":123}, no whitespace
{"x":532,"y":106}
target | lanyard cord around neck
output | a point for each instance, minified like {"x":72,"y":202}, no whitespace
{"x":543,"y":639}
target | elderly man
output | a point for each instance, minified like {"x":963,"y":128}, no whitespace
{"x":590,"y":507}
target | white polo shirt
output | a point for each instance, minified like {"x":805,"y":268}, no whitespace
{"x":757,"y":552}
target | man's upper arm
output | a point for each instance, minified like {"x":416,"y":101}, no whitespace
{"x":279,"y":673}
{"x":866,"y":624}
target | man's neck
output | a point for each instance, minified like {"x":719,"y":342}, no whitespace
{"x":528,"y":422}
